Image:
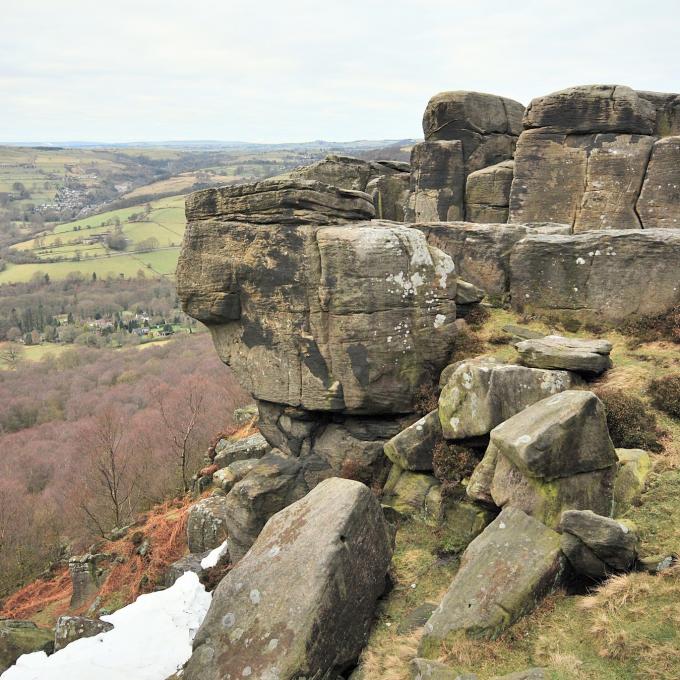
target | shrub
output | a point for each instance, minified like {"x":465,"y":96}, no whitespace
{"x":477,"y":316}
{"x":467,"y":345}
{"x":426,"y":399}
{"x":631,"y":424}
{"x":665,"y":394}
{"x":664,"y":326}
{"x":453,"y":462}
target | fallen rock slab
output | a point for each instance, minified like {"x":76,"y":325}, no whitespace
{"x":300,"y":604}
{"x":590,"y":357}
{"x":413,"y":447}
{"x":227,"y":451}
{"x":612,"y":543}
{"x":503,"y":575}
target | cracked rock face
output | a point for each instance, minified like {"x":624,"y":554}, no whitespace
{"x":348,"y":317}
{"x":301,"y":602}
{"x":607,"y":275}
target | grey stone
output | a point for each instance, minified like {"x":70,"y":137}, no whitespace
{"x":631,"y":478}
{"x":480,"y":394}
{"x":70,"y":628}
{"x":390,"y":195}
{"x":274,"y":484}
{"x":667,"y":107}
{"x":590,"y":357}
{"x":437,"y":184}
{"x":407,"y":492}
{"x":274,"y":201}
{"x":416,"y":618}
{"x":590,"y":182}
{"x":190,"y":562}
{"x":412,"y":448}
{"x":87,"y":575}
{"x":562,"y":435}
{"x":487,"y":193}
{"x":503,"y":575}
{"x":659,"y":202}
{"x":521,"y":332}
{"x":207,"y":524}
{"x":615,"y":542}
{"x":592,"y":108}
{"x":333,"y":595}
{"x":228,"y":451}
{"x":425,"y":669}
{"x":602,"y":276}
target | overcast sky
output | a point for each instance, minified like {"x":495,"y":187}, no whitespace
{"x":298,"y":70}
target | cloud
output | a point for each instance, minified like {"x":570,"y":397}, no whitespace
{"x":301,"y":69}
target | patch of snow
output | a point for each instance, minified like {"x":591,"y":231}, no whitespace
{"x":150,"y":640}
{"x":213,"y":557}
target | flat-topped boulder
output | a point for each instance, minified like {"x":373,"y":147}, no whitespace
{"x":603,"y":276}
{"x":280,"y":201}
{"x":479,"y":394}
{"x":228,"y":451}
{"x":592,"y":108}
{"x":590,"y":357}
{"x":596,"y":545}
{"x":503,"y":574}
{"x":71,"y":628}
{"x":301,"y":603}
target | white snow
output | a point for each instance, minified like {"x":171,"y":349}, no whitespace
{"x":150,"y":640}
{"x":213,"y":557}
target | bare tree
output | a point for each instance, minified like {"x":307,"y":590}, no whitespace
{"x":11,"y":355}
{"x":181,"y":419}
{"x":109,"y":478}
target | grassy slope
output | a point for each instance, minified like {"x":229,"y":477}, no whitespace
{"x":630,"y":629}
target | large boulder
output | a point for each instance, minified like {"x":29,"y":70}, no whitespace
{"x":481,"y":393}
{"x":87,"y":573}
{"x":70,"y":628}
{"x":486,"y":124}
{"x":207,"y":524}
{"x":667,"y":107}
{"x":659,"y":202}
{"x":590,"y":357}
{"x":275,"y":483}
{"x":588,"y":181}
{"x":487,"y":193}
{"x":503,"y":574}
{"x":599,"y":275}
{"x":390,"y":195}
{"x":592,"y":108}
{"x":560,"y":436}
{"x":349,"y":318}
{"x":22,"y":637}
{"x":596,"y":545}
{"x":300,"y":604}
{"x":437,"y":184}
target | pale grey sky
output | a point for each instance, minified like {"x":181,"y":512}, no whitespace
{"x":298,"y":70}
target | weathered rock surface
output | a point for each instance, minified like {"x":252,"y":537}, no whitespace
{"x":659,"y":202}
{"x":225,"y":478}
{"x":590,"y":182}
{"x":560,"y":436}
{"x":190,"y":562}
{"x":276,"y":201}
{"x":390,"y":195}
{"x":22,"y":637}
{"x":70,"y":628}
{"x":631,"y":478}
{"x":590,"y":357}
{"x":487,"y":193}
{"x":207,"y":524}
{"x":486,"y":124}
{"x":87,"y":574}
{"x":254,"y":446}
{"x":481,"y":393}
{"x":599,"y":275}
{"x":413,"y":447}
{"x":425,"y":669}
{"x":437,"y":185}
{"x":274,"y":484}
{"x":667,"y":107}
{"x":592,"y":108}
{"x":503,"y":574}
{"x":408,"y":492}
{"x":249,"y":630}
{"x":349,"y":318}
{"x":481,"y":252}
{"x":596,"y":545}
